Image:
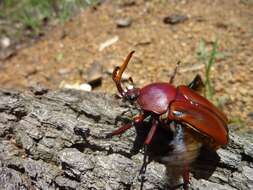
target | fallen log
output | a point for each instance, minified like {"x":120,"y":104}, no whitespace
{"x":53,"y":140}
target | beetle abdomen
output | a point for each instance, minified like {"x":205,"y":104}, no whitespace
{"x":156,"y":97}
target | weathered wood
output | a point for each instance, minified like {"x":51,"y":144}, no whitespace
{"x":53,"y":141}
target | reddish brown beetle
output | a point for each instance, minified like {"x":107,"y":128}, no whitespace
{"x":167,"y":104}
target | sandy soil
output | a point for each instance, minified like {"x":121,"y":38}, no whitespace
{"x":67,"y":52}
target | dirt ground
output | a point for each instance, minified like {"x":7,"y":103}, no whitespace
{"x":67,"y":52}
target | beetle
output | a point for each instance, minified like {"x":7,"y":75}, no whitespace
{"x":181,"y":111}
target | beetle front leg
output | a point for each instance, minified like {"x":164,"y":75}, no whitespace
{"x":119,"y":131}
{"x":137,"y":119}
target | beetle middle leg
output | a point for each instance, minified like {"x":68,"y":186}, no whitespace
{"x":151,"y":132}
{"x":120,"y":130}
{"x":146,"y":160}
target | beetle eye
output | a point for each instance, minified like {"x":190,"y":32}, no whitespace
{"x":132,"y":97}
{"x":132,"y":94}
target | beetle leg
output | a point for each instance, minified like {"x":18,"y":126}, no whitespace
{"x":174,"y":73}
{"x":186,"y":177}
{"x":151,"y":132}
{"x":137,"y":119}
{"x":119,"y":130}
{"x":144,"y":166}
{"x":197,"y":83}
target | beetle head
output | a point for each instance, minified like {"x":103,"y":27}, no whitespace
{"x":130,"y":94}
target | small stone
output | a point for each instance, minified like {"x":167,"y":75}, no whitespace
{"x":94,"y":74}
{"x":124,"y":22}
{"x":127,"y":3}
{"x":64,"y":71}
{"x":76,"y":86}
{"x":85,"y":87}
{"x":108,"y":43}
{"x":5,"y":42}
{"x":175,"y":19}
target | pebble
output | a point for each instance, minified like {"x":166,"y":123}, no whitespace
{"x":5,"y":42}
{"x":124,"y":22}
{"x":175,"y":19}
{"x":84,"y":86}
{"x":94,"y":74}
{"x":127,"y":3}
{"x":64,"y":71}
{"x":108,"y":43}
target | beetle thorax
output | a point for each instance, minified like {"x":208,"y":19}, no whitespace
{"x":156,"y":97}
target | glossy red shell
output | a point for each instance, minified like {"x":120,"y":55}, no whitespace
{"x":156,"y":97}
{"x":187,"y":106}
{"x":194,"y":97}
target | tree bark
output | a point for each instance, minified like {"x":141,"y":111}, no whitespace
{"x":54,"y":140}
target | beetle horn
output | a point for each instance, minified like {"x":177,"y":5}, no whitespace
{"x":118,"y":71}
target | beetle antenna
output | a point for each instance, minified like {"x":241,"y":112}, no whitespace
{"x":118,"y":71}
{"x":174,"y":73}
